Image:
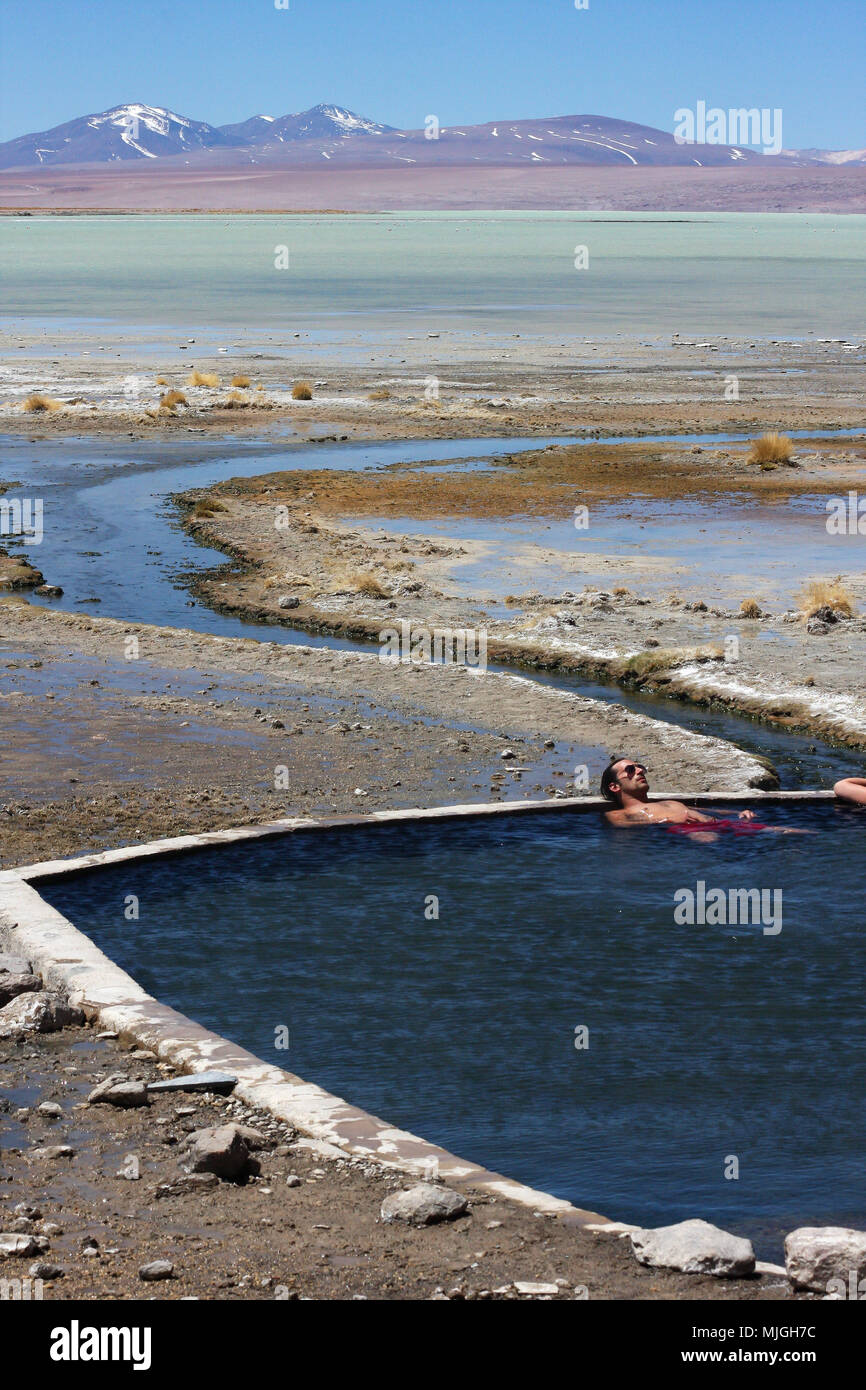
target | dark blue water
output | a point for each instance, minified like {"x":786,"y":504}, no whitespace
{"x":706,"y":1042}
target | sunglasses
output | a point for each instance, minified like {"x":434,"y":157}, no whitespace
{"x":631,"y":768}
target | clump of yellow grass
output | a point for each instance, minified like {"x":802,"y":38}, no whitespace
{"x":302,"y":391}
{"x":241,"y":380}
{"x":171,"y":400}
{"x":236,"y":401}
{"x":750,"y":608}
{"x":207,"y":506}
{"x":36,"y":402}
{"x":826,"y":593}
{"x":382,"y":395}
{"x":366,"y":583}
{"x":771,"y":448}
{"x":162,"y":381}
{"x":197,"y":378}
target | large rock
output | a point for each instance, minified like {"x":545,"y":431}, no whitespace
{"x":14,"y":965}
{"x":695,"y":1247}
{"x":423,"y":1205}
{"x":14,"y":1245}
{"x":222,"y":1150}
{"x":44,"y":1012}
{"x":816,"y":1254}
{"x":126,"y":1095}
{"x":18,"y":982}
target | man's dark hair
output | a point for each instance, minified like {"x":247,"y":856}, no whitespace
{"x":607,"y":777}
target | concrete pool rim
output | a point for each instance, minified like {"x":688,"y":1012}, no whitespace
{"x":70,"y":962}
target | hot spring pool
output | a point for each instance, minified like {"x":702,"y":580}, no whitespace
{"x":705,"y":1042}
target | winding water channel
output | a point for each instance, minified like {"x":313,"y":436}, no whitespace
{"x":113,"y":542}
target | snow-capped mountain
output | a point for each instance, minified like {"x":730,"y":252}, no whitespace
{"x":320,"y":122}
{"x":134,"y":131}
{"x":332,"y":135}
{"x":137,"y":131}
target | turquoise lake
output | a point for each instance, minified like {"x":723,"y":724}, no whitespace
{"x":739,"y":274}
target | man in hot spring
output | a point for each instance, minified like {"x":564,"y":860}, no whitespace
{"x":624,"y":783}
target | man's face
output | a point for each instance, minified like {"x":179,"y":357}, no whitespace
{"x":631,"y":777}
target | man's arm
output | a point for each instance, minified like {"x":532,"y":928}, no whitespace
{"x":852,"y":789}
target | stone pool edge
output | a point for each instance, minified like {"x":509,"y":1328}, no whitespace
{"x":70,"y":962}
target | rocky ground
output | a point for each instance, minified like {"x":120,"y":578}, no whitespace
{"x":304,"y":1226}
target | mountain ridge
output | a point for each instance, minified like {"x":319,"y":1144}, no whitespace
{"x":137,"y":131}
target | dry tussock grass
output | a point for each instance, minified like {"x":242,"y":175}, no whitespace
{"x":302,"y":391}
{"x":208,"y":506}
{"x":37,"y":402}
{"x":241,"y":380}
{"x":365,"y":582}
{"x":197,"y":378}
{"x":771,"y":448}
{"x":826,"y":593}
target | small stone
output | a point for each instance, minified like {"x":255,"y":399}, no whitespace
{"x":187,"y":1182}
{"x":143,"y":1054}
{"x":532,"y":1290}
{"x":50,"y":1109}
{"x":288,"y":601}
{"x":508,"y":753}
{"x":293,"y":1180}
{"x":220,"y":1082}
{"x":424,"y":1205}
{"x":25,"y":1209}
{"x":157,"y":1269}
{"x":53,"y":1151}
{"x":694,"y":1247}
{"x":43,"y":1270}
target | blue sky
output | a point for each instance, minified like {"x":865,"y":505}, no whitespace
{"x":462,"y":60}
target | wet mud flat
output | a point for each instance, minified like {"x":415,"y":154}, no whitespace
{"x":100,"y":751}
{"x":440,"y":385}
{"x":211,"y":731}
